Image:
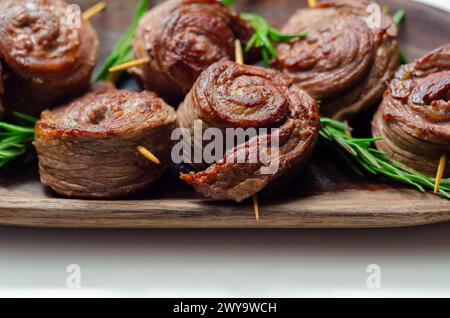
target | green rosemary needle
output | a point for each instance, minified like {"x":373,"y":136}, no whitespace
{"x":399,"y":16}
{"x":360,"y":155}
{"x":121,"y":52}
{"x":15,"y":140}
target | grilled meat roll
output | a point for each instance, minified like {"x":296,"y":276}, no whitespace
{"x":229,"y":95}
{"x":343,"y":62}
{"x":414,"y":117}
{"x":48,"y":50}
{"x":2,"y":91}
{"x":88,"y":147}
{"x":182,"y":38}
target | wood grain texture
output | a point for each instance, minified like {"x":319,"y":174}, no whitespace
{"x":326,"y":194}
{"x":381,"y":209}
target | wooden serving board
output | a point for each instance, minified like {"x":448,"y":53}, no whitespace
{"x":326,"y":194}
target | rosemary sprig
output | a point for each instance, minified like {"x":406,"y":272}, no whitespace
{"x":265,"y":35}
{"x":121,"y":52}
{"x":403,"y":59}
{"x":361,"y":156}
{"x":14,"y":139}
{"x":399,"y":16}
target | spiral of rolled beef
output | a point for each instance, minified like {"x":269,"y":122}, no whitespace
{"x":346,"y":58}
{"x":182,"y":38}
{"x":1,"y":90}
{"x":49,"y":51}
{"x":88,"y":148}
{"x":229,"y":95}
{"x":414,"y":117}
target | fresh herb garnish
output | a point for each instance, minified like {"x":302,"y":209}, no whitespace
{"x":360,"y":155}
{"x":121,"y":52}
{"x":228,"y":2}
{"x":399,"y":16}
{"x":403,"y":59}
{"x":265,"y":36}
{"x":14,"y":139}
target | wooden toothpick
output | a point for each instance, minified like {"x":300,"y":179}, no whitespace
{"x":147,"y":154}
{"x":238,"y":52}
{"x":348,"y":130}
{"x":440,"y":172}
{"x":312,"y":3}
{"x":240,"y":60}
{"x":94,"y":10}
{"x":130,"y":64}
{"x":256,"y":206}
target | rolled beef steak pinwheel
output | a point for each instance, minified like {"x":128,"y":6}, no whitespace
{"x":88,"y":148}
{"x":343,"y":62}
{"x":1,"y":90}
{"x":414,"y":117}
{"x":48,"y":50}
{"x":230,"y":95}
{"x":182,"y":38}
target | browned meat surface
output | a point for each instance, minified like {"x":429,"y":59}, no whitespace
{"x":88,"y":147}
{"x":49,"y":56}
{"x":229,"y":95}
{"x":182,"y":38}
{"x":343,"y":62}
{"x":414,"y":117}
{"x":2,"y":91}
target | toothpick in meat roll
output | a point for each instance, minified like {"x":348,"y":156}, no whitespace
{"x":230,"y":95}
{"x":414,"y":117}
{"x":346,"y":58}
{"x":48,"y":50}
{"x":87,"y":148}
{"x":182,"y":38}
